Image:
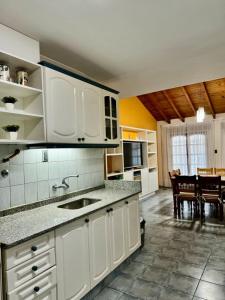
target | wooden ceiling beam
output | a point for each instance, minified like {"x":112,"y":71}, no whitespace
{"x":165,"y":93}
{"x":188,"y":99}
{"x":208,"y":99}
{"x":158,"y":108}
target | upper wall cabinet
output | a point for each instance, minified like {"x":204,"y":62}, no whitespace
{"x":61,"y":96}
{"x":75,"y":111}
{"x":111,"y":118}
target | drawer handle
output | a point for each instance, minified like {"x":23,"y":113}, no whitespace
{"x":34,"y":268}
{"x":36,"y":289}
{"x":34,"y":248}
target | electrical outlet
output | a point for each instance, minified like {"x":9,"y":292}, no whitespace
{"x":44,"y":155}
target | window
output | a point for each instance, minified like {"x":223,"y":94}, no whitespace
{"x":189,"y":152}
{"x":179,"y":153}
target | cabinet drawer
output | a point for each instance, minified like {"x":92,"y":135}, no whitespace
{"x":41,"y":287}
{"x":21,"y":253}
{"x":30,"y":269}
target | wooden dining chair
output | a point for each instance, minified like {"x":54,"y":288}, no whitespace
{"x":186,"y":190}
{"x":219,"y":172}
{"x":210,"y":192}
{"x":205,"y":171}
{"x":172,"y":175}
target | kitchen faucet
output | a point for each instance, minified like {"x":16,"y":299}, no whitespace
{"x":64,"y":185}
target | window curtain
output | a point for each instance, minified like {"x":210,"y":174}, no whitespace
{"x":187,"y":147}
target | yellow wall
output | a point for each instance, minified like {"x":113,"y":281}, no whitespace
{"x":134,"y":114}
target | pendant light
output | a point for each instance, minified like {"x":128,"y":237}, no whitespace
{"x":200,"y":114}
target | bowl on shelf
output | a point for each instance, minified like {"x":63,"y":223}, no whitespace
{"x":9,"y":102}
{"x":11,"y":131}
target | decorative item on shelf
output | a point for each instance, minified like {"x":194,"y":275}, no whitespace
{"x":22,"y":77}
{"x":4,"y":71}
{"x":12,"y":131}
{"x":9,"y":102}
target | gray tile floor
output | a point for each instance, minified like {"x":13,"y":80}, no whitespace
{"x":181,"y":259}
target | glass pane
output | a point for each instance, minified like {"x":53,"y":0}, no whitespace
{"x":114,"y":113}
{"x":108,"y":129}
{"x":107,"y":106}
{"x":114,"y":129}
{"x":197,"y":152}
{"x":179,"y":154}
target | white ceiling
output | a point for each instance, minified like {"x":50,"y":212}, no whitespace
{"x":136,"y":46}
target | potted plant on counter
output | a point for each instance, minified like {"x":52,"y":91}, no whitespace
{"x":12,"y":131}
{"x":9,"y":102}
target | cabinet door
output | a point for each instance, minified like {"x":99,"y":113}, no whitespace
{"x":112,"y":135}
{"x":99,"y":246}
{"x":117,"y":235}
{"x":133,"y":224}
{"x":91,"y":114}
{"x":62,"y":94}
{"x":72,"y":256}
{"x":145,"y":182}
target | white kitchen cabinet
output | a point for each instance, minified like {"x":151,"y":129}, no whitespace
{"x":153,"y":181}
{"x":99,"y":246}
{"x":72,"y":256}
{"x":112,"y":133}
{"x":75,"y":111}
{"x":145,"y":187}
{"x":43,"y":287}
{"x":61,"y":98}
{"x":118,"y":234}
{"x":133,"y":224}
{"x":91,"y":116}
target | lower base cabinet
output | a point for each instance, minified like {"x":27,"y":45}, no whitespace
{"x":87,"y":250}
{"x":72,"y":257}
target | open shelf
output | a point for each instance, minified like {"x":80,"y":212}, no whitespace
{"x":114,"y":154}
{"x":16,"y":90}
{"x":114,"y":174}
{"x":18,"y":114}
{"x":17,"y":62}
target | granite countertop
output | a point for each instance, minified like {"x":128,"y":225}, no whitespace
{"x":21,"y":226}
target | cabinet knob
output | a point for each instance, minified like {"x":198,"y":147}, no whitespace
{"x":106,"y":140}
{"x":34,"y":268}
{"x":86,"y":220}
{"x":34,"y":248}
{"x":36,"y":289}
{"x":108,"y":210}
{"x":79,"y":139}
{"x":111,"y":209}
{"x":126,"y":202}
{"x":83,"y":139}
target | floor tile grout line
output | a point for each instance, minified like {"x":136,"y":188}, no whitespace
{"x":202,"y":273}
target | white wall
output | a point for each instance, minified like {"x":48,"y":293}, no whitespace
{"x":31,"y":180}
{"x":217,"y":143}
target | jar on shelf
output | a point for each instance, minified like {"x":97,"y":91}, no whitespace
{"x":4,"y":71}
{"x":22,"y":77}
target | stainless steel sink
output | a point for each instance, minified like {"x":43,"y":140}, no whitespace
{"x":77,"y":204}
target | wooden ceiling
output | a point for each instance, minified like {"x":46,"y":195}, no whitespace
{"x":183,"y":102}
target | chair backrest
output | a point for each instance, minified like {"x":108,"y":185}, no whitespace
{"x":205,"y":171}
{"x":174,"y":173}
{"x":209,"y":185}
{"x":219,"y":171}
{"x":187,"y":184}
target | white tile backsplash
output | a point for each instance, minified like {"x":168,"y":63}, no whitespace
{"x":4,"y":198}
{"x":31,"y":192}
{"x":30,"y":173}
{"x":31,"y":180}
{"x":17,"y":195}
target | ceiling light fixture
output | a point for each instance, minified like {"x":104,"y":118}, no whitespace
{"x":200,"y":114}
